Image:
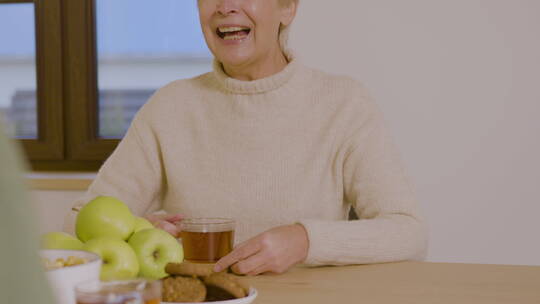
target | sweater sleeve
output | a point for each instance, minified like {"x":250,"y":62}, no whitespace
{"x":133,"y":173}
{"x":390,"y":227}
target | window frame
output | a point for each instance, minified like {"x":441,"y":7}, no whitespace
{"x":67,"y":91}
{"x":84,"y":143}
{"x":50,"y":140}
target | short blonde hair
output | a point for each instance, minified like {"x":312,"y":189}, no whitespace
{"x":284,"y":30}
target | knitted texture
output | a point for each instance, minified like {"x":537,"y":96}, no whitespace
{"x":301,"y":146}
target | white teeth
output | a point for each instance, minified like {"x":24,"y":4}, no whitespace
{"x":232,"y":29}
{"x":234,"y":37}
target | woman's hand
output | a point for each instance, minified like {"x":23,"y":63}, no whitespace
{"x":167,"y":222}
{"x":275,"y":250}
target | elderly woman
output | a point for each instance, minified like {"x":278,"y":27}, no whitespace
{"x":284,"y":149}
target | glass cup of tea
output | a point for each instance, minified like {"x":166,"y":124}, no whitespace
{"x":119,"y":292}
{"x":206,"y":240}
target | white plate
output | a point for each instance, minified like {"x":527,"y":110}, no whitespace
{"x":245,"y":300}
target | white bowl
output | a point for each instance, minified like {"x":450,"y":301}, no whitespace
{"x":245,"y":300}
{"x":63,"y":280}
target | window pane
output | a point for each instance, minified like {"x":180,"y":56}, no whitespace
{"x":143,"y":45}
{"x":18,"y":109}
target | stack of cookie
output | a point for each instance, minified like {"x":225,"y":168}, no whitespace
{"x":191,"y":282}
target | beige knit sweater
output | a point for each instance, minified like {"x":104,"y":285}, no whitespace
{"x":301,"y":146}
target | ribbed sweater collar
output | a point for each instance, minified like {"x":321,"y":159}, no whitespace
{"x":258,"y":86}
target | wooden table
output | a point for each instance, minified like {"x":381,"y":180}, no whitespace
{"x":407,"y":282}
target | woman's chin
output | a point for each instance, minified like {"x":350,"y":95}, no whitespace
{"x":235,"y":60}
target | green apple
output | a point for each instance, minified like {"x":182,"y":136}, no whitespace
{"x":119,"y":259}
{"x":155,"y":248}
{"x":141,"y":223}
{"x":60,"y":240}
{"x":104,"y":216}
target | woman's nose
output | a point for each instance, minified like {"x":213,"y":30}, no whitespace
{"x":227,"y":7}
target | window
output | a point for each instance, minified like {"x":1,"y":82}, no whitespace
{"x":96,"y":64}
{"x":18,"y":60}
{"x":142,"y":45}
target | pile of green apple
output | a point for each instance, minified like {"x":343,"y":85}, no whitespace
{"x":129,"y":246}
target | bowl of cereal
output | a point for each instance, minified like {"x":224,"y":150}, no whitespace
{"x":67,"y":268}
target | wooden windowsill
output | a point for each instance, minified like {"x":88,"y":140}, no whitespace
{"x":77,"y":181}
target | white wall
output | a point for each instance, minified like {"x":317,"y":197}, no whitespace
{"x":459,"y":83}
{"x":456,"y":80}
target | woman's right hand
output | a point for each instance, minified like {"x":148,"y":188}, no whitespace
{"x":167,"y":222}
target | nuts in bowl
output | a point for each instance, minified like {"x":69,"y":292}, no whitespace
{"x":61,"y":262}
{"x":67,"y":268}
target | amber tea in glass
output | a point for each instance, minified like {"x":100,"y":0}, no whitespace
{"x":206,"y":240}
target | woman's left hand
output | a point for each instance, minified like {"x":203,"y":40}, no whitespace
{"x":275,"y":250}
{"x":167,"y":222}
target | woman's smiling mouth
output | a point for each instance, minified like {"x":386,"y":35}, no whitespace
{"x":233,"y":32}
